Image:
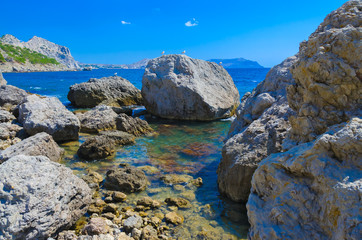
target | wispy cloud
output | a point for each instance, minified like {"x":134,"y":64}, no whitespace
{"x":192,"y":23}
{"x":125,"y":23}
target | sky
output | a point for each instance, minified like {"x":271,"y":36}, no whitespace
{"x":123,"y":32}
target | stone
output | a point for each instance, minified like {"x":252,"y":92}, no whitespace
{"x":96,"y":226}
{"x":174,"y":218}
{"x":111,"y":207}
{"x":126,"y":179}
{"x":10,"y":134}
{"x":98,"y":119}
{"x":179,"y":87}
{"x":6,"y":116}
{"x":119,"y":196}
{"x":111,"y":91}
{"x":39,"y":198}
{"x":176,"y":178}
{"x":97,"y":147}
{"x":136,"y":234}
{"x":11,"y":96}
{"x":259,"y":129}
{"x":149,"y":233}
{"x":2,"y":80}
{"x":149,"y":202}
{"x":48,"y":115}
{"x":132,"y":222}
{"x":41,"y":144}
{"x":67,"y":235}
{"x":135,"y":126}
{"x":315,"y":186}
{"x":119,"y":137}
{"x":178,"y":202}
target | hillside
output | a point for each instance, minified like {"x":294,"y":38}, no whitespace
{"x":237,"y":63}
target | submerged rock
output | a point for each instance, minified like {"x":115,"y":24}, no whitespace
{"x":39,"y":198}
{"x":126,"y":179}
{"x":111,"y":91}
{"x":48,"y":115}
{"x":97,"y":147}
{"x":135,"y":126}
{"x":98,"y":119}
{"x":41,"y":144}
{"x":179,"y":87}
{"x":258,"y":131}
{"x":174,"y":218}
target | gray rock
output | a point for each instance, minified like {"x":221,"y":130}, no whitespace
{"x":10,"y":134}
{"x":135,"y":126}
{"x":39,"y":198}
{"x":112,"y":91}
{"x":98,"y":119}
{"x":2,"y":80}
{"x":98,"y":147}
{"x":179,"y":87}
{"x":120,"y":138}
{"x":149,"y":233}
{"x":126,"y":179}
{"x":132,"y":222}
{"x":6,"y":116}
{"x":312,"y":191}
{"x":11,"y":96}
{"x":41,"y":144}
{"x":48,"y":115}
{"x":258,"y":131}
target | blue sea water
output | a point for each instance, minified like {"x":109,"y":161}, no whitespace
{"x":192,"y":148}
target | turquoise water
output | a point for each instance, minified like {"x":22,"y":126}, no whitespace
{"x":192,"y":148}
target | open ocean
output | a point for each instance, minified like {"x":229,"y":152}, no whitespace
{"x":192,"y":148}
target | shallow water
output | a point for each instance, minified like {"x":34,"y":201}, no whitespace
{"x":191,"y":148}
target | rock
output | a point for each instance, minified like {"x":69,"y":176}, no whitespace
{"x":327,"y":75}
{"x":96,"y":226}
{"x":113,"y":208}
{"x":258,"y":131}
{"x":132,"y":222}
{"x":149,"y":202}
{"x":127,"y":179}
{"x":41,"y":144}
{"x":98,"y":119}
{"x":111,"y":91}
{"x":67,"y":235}
{"x":119,"y":196}
{"x":136,"y":234}
{"x":315,"y":186}
{"x":48,"y":115}
{"x":135,"y":126}
{"x":176,"y":178}
{"x":11,"y":96}
{"x":93,"y":177}
{"x":119,"y":137}
{"x":178,"y":202}
{"x":2,"y":80}
{"x":97,"y":147}
{"x":198,"y":182}
{"x":179,"y":87}
{"x":6,"y":116}
{"x":10,"y":134}
{"x":149,"y":233}
{"x":40,"y":199}
{"x":174,"y":218}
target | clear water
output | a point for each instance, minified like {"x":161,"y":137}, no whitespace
{"x":192,"y":148}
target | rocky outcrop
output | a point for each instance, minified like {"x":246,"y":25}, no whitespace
{"x":98,"y":119}
{"x":126,"y":179}
{"x":313,"y":190}
{"x":48,"y":115}
{"x":258,"y":131}
{"x":41,"y":144}
{"x":11,"y":96}
{"x":112,"y":91}
{"x":179,"y":87}
{"x":97,"y":147}
{"x":39,"y":198}
{"x":2,"y":80}
{"x":135,"y":126}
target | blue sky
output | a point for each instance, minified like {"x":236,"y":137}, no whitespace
{"x":115,"y":31}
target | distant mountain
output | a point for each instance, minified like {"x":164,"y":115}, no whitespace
{"x":40,"y":45}
{"x":237,"y":63}
{"x":137,"y":65}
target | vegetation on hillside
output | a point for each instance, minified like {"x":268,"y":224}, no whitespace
{"x":20,"y":55}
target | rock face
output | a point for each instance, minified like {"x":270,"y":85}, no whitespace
{"x":258,"y":131}
{"x":48,"y":115}
{"x":98,"y":119}
{"x":313,"y":190}
{"x":41,"y":144}
{"x":112,"y":91}
{"x":179,"y":87}
{"x":11,"y":96}
{"x":2,"y":80}
{"x":40,"y":199}
{"x":127,"y":179}
{"x":98,"y":147}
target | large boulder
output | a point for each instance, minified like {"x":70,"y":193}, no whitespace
{"x":258,"y":131}
{"x":2,"y":80}
{"x":11,"y":96}
{"x":179,"y":87}
{"x":39,"y":198}
{"x":135,"y":126}
{"x":112,"y":91}
{"x":41,"y":144}
{"x":126,"y":179}
{"x":48,"y":115}
{"x":97,"y":147}
{"x":98,"y":119}
{"x":313,"y":190}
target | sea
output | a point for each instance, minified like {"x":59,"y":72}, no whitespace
{"x":179,"y":147}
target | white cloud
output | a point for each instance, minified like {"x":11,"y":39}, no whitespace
{"x":192,"y":23}
{"x":125,"y":23}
